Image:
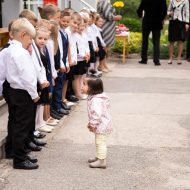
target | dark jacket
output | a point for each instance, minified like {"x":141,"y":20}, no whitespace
{"x":154,"y":13}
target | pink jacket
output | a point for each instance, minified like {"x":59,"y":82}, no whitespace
{"x":98,"y":113}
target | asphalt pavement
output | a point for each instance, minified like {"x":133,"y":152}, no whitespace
{"x":148,"y":150}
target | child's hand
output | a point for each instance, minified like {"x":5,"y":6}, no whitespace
{"x":62,"y":70}
{"x":36,"y":99}
{"x":44,"y":84}
{"x":97,"y":49}
{"x":68,"y":69}
{"x":92,"y":129}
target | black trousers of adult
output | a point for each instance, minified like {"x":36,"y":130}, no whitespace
{"x":23,"y":108}
{"x":8,"y":143}
{"x":156,"y":44}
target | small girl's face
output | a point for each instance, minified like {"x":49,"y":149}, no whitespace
{"x":41,"y":38}
{"x":85,"y":87}
{"x":74,"y":25}
{"x":99,"y":22}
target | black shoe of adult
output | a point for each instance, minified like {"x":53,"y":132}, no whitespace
{"x":72,"y":98}
{"x":143,"y":62}
{"x":33,"y":160}
{"x":157,"y":64}
{"x":38,"y":142}
{"x":55,"y":115}
{"x":33,"y":147}
{"x":62,"y":111}
{"x":25,"y":165}
{"x":39,"y":135}
{"x":65,"y":106}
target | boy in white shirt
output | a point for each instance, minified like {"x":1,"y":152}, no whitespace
{"x":21,"y":75}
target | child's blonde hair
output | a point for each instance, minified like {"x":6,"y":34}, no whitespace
{"x":44,"y":23}
{"x":22,"y":24}
{"x":54,"y":34}
{"x":28,"y":14}
{"x":76,"y":16}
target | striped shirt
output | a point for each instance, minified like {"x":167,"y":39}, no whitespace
{"x":180,"y":10}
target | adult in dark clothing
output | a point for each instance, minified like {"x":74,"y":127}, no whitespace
{"x":154,"y":14}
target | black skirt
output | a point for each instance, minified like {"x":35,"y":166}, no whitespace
{"x":176,"y":31}
{"x":93,"y":58}
{"x":101,"y":53}
{"x":44,"y":95}
{"x":80,"y":68}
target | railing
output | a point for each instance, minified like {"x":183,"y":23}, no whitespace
{"x":88,"y":4}
{"x":77,"y":5}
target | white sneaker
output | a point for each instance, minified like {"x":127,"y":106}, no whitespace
{"x":50,"y":127}
{"x":45,"y":129}
{"x":51,"y":123}
{"x":70,"y":103}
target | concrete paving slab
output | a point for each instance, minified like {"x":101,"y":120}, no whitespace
{"x":148,"y":150}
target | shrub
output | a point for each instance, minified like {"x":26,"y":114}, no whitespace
{"x":132,"y":23}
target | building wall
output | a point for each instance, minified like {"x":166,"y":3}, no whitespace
{"x":12,"y":8}
{"x":10,"y":11}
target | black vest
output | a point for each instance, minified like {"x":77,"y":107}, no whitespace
{"x":65,"y":43}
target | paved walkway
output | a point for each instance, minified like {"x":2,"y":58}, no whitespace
{"x":148,"y":150}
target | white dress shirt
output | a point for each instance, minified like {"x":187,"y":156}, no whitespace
{"x":50,"y":48}
{"x":81,"y":45}
{"x":3,"y":69}
{"x":20,"y":71}
{"x":72,"y":45}
{"x":91,"y":33}
{"x":60,"y":42}
{"x":98,"y":34}
{"x":40,"y":69}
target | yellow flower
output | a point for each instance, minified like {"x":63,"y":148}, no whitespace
{"x":119,"y":4}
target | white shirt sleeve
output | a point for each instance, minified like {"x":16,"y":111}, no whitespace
{"x":50,"y":48}
{"x":60,"y":43}
{"x":2,"y":70}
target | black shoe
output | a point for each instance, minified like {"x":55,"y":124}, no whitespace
{"x":33,"y":147}
{"x":57,"y":113}
{"x":72,"y":98}
{"x":55,"y":116}
{"x":38,"y":142}
{"x":33,"y":160}
{"x":25,"y":165}
{"x":62,"y":111}
{"x":65,"y":106}
{"x":143,"y":62}
{"x":157,"y":64}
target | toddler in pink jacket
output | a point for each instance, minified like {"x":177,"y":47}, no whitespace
{"x":100,"y":124}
